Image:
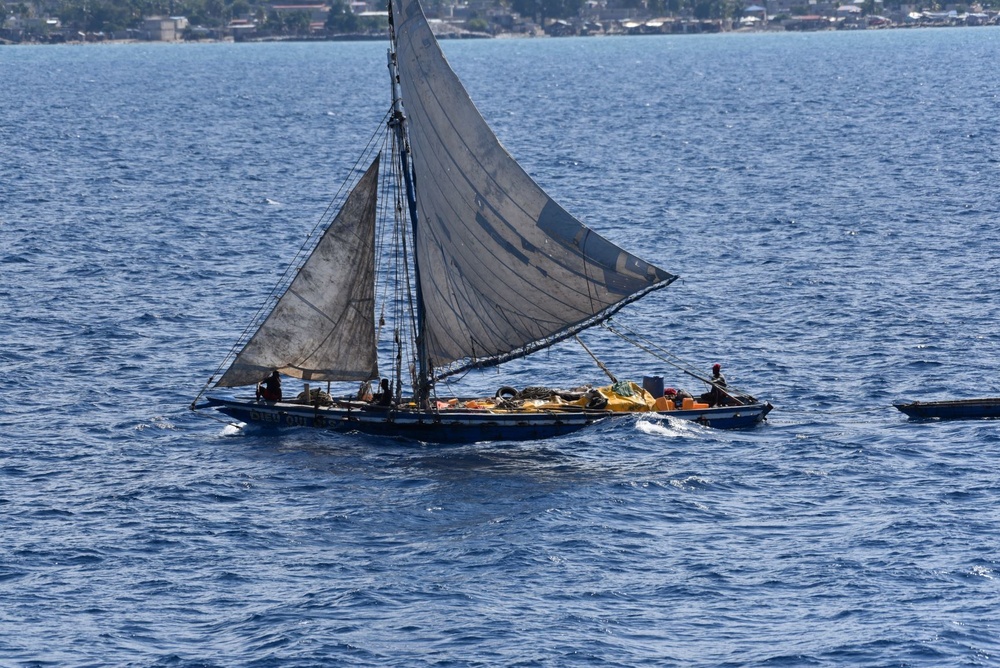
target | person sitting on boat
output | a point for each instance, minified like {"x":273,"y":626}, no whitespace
{"x":384,"y":396}
{"x":676,"y":396}
{"x":716,"y":396}
{"x":271,"y":390}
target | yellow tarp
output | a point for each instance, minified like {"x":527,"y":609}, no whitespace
{"x":640,"y":401}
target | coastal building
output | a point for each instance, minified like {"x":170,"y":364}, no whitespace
{"x":810,"y":22}
{"x":316,"y":11}
{"x":160,"y":29}
{"x":309,"y":17}
{"x":850,"y":16}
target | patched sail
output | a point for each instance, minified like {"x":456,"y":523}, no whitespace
{"x":323,"y":326}
{"x":503,"y":268}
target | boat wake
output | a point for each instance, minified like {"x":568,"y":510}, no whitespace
{"x":667,"y":426}
{"x":232,"y":430}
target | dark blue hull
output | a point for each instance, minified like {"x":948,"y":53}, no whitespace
{"x":962,"y":409}
{"x":457,"y":425}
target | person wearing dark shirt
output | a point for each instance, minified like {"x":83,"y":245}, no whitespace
{"x":270,"y":388}
{"x":716,"y":396}
{"x":384,"y":396}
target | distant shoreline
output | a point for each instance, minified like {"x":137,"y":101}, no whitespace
{"x":787,"y":26}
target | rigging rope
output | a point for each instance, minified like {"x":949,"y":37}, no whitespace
{"x":213,"y":416}
{"x":662,"y":355}
{"x":600,"y":364}
{"x":380,"y":240}
{"x":407,"y":307}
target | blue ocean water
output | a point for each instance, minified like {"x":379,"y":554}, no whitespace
{"x":831,"y":201}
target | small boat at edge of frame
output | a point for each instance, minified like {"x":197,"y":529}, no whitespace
{"x":954,"y":409}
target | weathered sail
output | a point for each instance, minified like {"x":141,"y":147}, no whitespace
{"x":323,"y":326}
{"x":503,"y":268}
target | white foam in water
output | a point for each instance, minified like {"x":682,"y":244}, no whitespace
{"x":232,"y":430}
{"x":667,"y":426}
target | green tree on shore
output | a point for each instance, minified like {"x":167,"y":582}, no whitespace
{"x":341,"y":19}
{"x":547,"y":9}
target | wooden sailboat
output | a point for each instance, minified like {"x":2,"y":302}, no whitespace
{"x":488,"y":269}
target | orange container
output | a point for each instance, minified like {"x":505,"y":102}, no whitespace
{"x":688,"y":403}
{"x":663,"y":404}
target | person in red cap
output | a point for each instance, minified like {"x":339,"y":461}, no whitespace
{"x":717,"y":376}
{"x":676,"y":396}
{"x":670,"y":394}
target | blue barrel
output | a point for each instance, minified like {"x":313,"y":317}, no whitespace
{"x":653,"y":385}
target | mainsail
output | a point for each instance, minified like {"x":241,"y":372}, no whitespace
{"x":503,"y":268}
{"x":323,"y":326}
